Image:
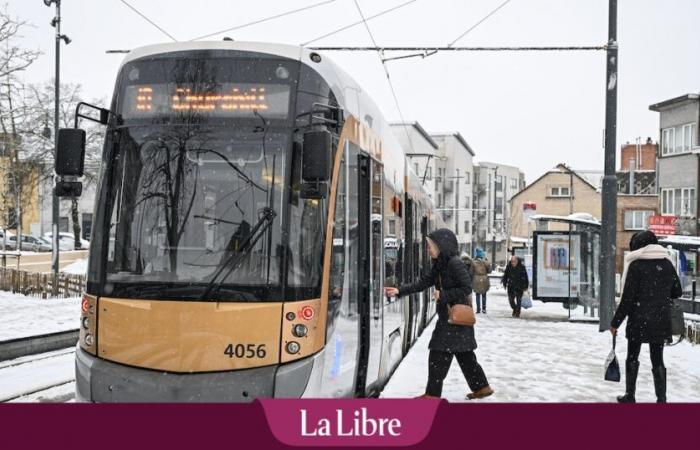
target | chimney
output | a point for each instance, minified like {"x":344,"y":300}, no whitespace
{"x":648,"y":141}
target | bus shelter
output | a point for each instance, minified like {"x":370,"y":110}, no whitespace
{"x":565,"y":259}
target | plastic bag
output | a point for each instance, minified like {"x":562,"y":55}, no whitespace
{"x":526,"y":301}
{"x":612,"y":367}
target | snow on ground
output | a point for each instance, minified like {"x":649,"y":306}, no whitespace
{"x":22,"y":316}
{"x":39,"y":374}
{"x":78,"y":267}
{"x":542,"y":357}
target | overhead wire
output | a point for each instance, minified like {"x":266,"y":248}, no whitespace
{"x":266,"y":19}
{"x":149,"y":20}
{"x":359,"y":22}
{"x":388,"y":77}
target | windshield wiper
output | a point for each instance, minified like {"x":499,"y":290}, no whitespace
{"x":234,"y":261}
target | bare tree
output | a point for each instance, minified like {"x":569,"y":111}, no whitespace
{"x":15,"y":119}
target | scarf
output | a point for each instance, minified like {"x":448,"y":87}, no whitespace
{"x":652,"y":251}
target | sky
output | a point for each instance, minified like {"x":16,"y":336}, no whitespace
{"x":530,"y":110}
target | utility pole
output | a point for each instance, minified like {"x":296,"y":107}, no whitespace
{"x":56,"y":23}
{"x":607,"y":241}
{"x":493,"y":225}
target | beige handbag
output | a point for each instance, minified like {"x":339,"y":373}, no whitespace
{"x":459,"y":314}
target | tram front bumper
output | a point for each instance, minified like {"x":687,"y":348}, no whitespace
{"x":99,"y":380}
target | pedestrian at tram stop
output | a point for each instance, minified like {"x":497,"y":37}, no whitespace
{"x":481,"y":268}
{"x":516,"y":283}
{"x":649,"y":283}
{"x":453,"y":285}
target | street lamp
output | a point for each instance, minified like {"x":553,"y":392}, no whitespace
{"x":56,"y":23}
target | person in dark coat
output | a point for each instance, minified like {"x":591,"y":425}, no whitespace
{"x":452,"y":281}
{"x":516,"y":283}
{"x":649,"y":283}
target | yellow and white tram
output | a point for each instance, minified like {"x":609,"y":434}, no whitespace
{"x":238,"y":248}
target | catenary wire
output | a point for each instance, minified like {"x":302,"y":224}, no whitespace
{"x":149,"y":20}
{"x":266,"y":19}
{"x":359,"y":22}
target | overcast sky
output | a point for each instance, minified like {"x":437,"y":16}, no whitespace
{"x":531,"y":110}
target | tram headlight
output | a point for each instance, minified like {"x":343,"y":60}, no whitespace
{"x":299,"y":330}
{"x":293,"y":347}
{"x":89,"y":340}
{"x":86,"y":322}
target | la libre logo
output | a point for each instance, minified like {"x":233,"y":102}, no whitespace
{"x":356,"y":423}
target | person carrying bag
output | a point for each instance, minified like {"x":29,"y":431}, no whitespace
{"x":650,"y":282}
{"x":451,"y":278}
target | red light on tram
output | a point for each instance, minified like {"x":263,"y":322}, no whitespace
{"x":85,"y":305}
{"x":307,"y":313}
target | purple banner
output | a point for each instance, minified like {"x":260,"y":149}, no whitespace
{"x":217,"y":426}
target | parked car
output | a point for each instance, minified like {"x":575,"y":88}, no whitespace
{"x":68,"y":239}
{"x":63,"y":245}
{"x":29,"y":244}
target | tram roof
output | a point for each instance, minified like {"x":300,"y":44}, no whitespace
{"x":283,"y":50}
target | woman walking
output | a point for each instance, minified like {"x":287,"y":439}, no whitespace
{"x":516,"y":283}
{"x":649,"y":283}
{"x":481,"y":268}
{"x":452,"y":281}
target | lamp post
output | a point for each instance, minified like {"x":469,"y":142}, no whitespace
{"x":56,"y":23}
{"x":493,"y":225}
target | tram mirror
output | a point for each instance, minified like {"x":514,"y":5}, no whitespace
{"x":70,"y":154}
{"x":316,"y":156}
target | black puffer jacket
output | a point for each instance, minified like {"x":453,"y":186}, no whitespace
{"x":646,"y":297}
{"x":450,"y":275}
{"x":515,"y":278}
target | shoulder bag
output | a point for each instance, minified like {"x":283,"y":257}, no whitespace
{"x":460,"y":314}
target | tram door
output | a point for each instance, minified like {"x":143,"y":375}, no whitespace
{"x":369,"y":270}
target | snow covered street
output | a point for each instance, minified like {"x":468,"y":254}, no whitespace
{"x":542,"y":357}
{"x":22,"y":316}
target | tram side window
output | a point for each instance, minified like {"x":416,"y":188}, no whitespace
{"x":337,"y":273}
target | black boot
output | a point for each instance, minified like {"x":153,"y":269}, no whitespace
{"x":660,"y":383}
{"x":631,"y":371}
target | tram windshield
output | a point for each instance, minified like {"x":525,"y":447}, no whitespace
{"x":197,"y":185}
{"x":188,"y":200}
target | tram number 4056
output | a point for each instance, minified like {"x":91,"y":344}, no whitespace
{"x":245,"y":351}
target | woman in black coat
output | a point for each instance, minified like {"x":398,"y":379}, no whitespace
{"x":516,"y":283}
{"x":452,"y":281}
{"x":649,"y":283}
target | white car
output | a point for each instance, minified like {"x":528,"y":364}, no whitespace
{"x":66,"y":241}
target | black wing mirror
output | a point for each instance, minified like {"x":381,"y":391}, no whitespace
{"x":316,"y":164}
{"x":70,"y":154}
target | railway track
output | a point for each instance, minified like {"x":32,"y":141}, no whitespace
{"x":32,"y":345}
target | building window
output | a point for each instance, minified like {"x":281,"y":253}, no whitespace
{"x":668,"y":141}
{"x":499,"y":183}
{"x":467,"y":178}
{"x":637,"y":220}
{"x":687,"y":137}
{"x":429,"y":176}
{"x":679,"y":202}
{"x":466,"y":226}
{"x":417,"y":169}
{"x":439,"y":199}
{"x":559,"y":191}
{"x":392,"y":227}
{"x":467,"y":202}
{"x":514,"y":183}
{"x":87,"y":226}
{"x":499,"y":205}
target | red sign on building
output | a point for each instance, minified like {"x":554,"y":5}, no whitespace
{"x":662,"y":225}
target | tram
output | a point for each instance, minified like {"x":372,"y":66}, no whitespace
{"x":238,"y":246}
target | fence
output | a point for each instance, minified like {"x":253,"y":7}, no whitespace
{"x":41,"y":285}
{"x":693,"y":332}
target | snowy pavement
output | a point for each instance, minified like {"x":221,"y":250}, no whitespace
{"x":542,"y":357}
{"x":22,"y":316}
{"x":31,"y":377}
